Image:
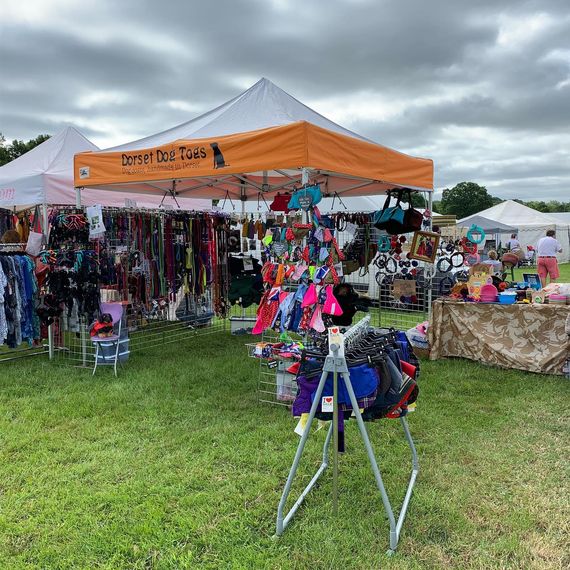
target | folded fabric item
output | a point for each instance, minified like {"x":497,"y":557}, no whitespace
{"x":316,"y":322}
{"x":364,"y":380}
{"x":402,"y":391}
{"x":305,"y":396}
{"x":408,"y":369}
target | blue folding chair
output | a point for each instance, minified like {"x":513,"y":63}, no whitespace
{"x":107,"y":349}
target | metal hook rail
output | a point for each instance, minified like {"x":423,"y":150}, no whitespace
{"x":335,"y":362}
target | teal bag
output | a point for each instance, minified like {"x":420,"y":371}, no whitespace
{"x":305,"y":198}
{"x":389,"y":215}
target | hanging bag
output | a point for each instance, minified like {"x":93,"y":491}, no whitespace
{"x":305,"y":198}
{"x":35,"y":237}
{"x":280,"y":203}
{"x":412,"y":218}
{"x":389,"y":217}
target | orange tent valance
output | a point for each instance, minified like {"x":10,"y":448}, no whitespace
{"x":281,"y":148}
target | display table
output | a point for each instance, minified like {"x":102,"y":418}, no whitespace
{"x":526,"y":337}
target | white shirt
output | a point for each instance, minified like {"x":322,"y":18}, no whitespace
{"x":514,"y":244}
{"x":548,"y":247}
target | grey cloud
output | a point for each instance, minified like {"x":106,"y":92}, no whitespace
{"x":413,"y":52}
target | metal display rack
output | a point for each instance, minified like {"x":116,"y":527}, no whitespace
{"x":336,"y":364}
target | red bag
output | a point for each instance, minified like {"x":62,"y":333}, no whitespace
{"x":280,"y":203}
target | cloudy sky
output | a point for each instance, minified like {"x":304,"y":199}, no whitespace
{"x":482,"y":87}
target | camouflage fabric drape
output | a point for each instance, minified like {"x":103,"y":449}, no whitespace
{"x":525,"y":337}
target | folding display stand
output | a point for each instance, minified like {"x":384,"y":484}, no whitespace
{"x":335,"y":362}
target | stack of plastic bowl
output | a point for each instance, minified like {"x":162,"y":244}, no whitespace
{"x":555,"y":299}
{"x":488,"y":294}
{"x":507,"y":297}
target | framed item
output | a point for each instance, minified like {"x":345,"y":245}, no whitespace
{"x":532,"y":279}
{"x":424,"y":246}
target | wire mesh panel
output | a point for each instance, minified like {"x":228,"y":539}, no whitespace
{"x":23,"y":351}
{"x":141,"y":329}
{"x":276,"y":381}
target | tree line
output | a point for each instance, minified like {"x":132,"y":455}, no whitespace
{"x":11,"y":151}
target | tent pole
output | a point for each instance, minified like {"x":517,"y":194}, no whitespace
{"x":82,"y":323}
{"x":430,"y":280}
{"x":45,"y":231}
{"x":242,"y":198}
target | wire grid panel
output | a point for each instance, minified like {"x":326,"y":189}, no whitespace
{"x":23,"y":351}
{"x":143,"y":330}
{"x":275,"y":385}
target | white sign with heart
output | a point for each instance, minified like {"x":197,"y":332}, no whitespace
{"x":279,"y":248}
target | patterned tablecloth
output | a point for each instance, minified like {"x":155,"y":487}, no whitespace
{"x":526,"y":337}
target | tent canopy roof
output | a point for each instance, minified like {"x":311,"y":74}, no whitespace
{"x":262,"y":106}
{"x":490,"y":226}
{"x":257,"y":142}
{"x":513,"y":213}
{"x":44,"y":175}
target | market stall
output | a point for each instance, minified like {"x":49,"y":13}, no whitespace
{"x":260,"y":146}
{"x":527,"y":337}
{"x":531,"y":225}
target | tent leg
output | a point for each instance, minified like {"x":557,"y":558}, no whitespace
{"x":430,"y":279}
{"x":45,"y":230}
{"x":78,"y":197}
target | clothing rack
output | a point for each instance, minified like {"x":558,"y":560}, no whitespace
{"x":336,"y":363}
{"x":13,"y":247}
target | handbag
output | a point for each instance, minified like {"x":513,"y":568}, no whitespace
{"x":305,"y":198}
{"x":35,"y":237}
{"x":280,"y":202}
{"x":389,"y":216}
{"x":412,"y":218}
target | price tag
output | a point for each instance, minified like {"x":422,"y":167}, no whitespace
{"x":272,"y":364}
{"x":336,"y":337}
{"x":327,"y":403}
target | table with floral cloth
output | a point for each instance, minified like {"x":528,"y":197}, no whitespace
{"x":521,"y":336}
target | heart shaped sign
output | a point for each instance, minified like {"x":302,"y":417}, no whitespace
{"x":279,"y":248}
{"x":305,"y":201}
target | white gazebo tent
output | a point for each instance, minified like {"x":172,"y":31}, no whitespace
{"x":531,"y":224}
{"x":44,"y":176}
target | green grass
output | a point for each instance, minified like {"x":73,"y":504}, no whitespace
{"x":174,"y":464}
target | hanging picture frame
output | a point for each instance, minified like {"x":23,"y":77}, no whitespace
{"x":424,"y":246}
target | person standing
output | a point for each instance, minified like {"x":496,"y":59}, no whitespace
{"x":547,"y":264}
{"x":513,"y":244}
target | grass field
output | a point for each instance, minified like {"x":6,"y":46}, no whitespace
{"x":174,"y":464}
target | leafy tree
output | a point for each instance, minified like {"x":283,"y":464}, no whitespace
{"x":465,"y":199}
{"x":16,"y":148}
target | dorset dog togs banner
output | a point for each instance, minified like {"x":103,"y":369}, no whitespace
{"x":291,"y":146}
